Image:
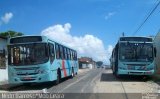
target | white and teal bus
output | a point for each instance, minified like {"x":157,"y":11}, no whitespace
{"x":133,"y":56}
{"x":35,"y":59}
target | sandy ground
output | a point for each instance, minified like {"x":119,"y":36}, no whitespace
{"x":112,"y":85}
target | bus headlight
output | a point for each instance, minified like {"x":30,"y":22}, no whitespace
{"x":13,"y":74}
{"x":149,"y":68}
{"x":41,"y":71}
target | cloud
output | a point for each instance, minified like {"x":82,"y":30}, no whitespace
{"x":86,"y":45}
{"x":109,"y":15}
{"x":6,"y":18}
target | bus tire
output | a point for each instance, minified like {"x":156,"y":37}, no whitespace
{"x":58,"y":77}
{"x":72,"y":74}
{"x":116,"y":73}
{"x":113,"y":72}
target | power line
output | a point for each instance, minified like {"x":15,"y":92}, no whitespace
{"x":147,"y":18}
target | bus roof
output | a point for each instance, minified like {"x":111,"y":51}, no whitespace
{"x":57,"y":42}
{"x":143,"y":39}
{"x":44,"y":38}
{"x":132,"y":38}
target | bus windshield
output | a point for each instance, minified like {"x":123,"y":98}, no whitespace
{"x":27,"y":54}
{"x":133,"y":52}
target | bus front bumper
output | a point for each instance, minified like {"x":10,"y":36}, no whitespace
{"x":135,"y":72}
{"x":29,"y":79}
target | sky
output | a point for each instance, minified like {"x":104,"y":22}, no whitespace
{"x":92,"y":27}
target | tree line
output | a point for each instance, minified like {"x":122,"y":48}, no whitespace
{"x":10,"y":33}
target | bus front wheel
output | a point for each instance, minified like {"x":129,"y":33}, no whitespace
{"x":116,"y":73}
{"x":113,"y":72}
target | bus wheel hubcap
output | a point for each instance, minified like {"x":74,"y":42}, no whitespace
{"x":72,"y":74}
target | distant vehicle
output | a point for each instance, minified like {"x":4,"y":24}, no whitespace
{"x":35,"y":59}
{"x":98,"y":66}
{"x":107,"y":67}
{"x":103,"y":66}
{"x":133,"y":56}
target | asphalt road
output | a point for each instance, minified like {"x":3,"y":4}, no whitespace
{"x":82,"y":83}
{"x":97,"y":83}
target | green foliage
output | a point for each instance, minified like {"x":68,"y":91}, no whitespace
{"x":11,"y":34}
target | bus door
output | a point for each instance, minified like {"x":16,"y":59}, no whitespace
{"x":51,"y":52}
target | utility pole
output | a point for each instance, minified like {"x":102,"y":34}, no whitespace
{"x":123,"y":34}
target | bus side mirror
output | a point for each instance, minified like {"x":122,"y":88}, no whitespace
{"x":155,"y":52}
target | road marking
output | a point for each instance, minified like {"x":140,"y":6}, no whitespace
{"x":84,"y":87}
{"x":44,"y":90}
{"x":73,"y":83}
{"x":97,"y":77}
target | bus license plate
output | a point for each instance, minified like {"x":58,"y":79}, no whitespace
{"x":27,"y":78}
{"x":131,"y":67}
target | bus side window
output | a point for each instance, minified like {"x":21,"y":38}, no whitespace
{"x":75,"y":54}
{"x":70,"y":57}
{"x":61,"y":52}
{"x":71,"y":54}
{"x":51,"y":52}
{"x":68,"y":51}
{"x":65,"y":53}
{"x":57,"y":51}
{"x":64,"y":56}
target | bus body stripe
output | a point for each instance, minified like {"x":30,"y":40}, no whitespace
{"x":64,"y":69}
